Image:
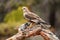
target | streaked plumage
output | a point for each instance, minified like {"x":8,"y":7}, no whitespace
{"x":32,"y":17}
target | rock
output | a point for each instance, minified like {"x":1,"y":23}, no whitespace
{"x":38,"y":37}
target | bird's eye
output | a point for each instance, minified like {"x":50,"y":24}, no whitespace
{"x":23,"y":8}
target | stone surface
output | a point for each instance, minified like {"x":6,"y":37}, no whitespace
{"x":38,"y":37}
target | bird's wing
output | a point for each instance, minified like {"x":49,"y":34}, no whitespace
{"x":39,"y":18}
{"x":32,"y":15}
{"x":35,"y":15}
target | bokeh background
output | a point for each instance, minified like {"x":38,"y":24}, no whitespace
{"x":11,"y":15}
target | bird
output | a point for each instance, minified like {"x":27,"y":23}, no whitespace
{"x":31,"y":17}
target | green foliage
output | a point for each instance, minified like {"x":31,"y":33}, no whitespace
{"x":14,"y":16}
{"x":7,"y":29}
{"x":12,"y":20}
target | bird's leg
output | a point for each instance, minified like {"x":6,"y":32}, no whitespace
{"x":31,"y":25}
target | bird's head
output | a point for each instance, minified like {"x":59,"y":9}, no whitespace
{"x":25,"y":9}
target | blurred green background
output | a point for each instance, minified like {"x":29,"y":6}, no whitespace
{"x":11,"y":15}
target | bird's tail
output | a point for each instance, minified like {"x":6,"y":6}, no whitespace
{"x":44,"y":24}
{"x":41,"y":20}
